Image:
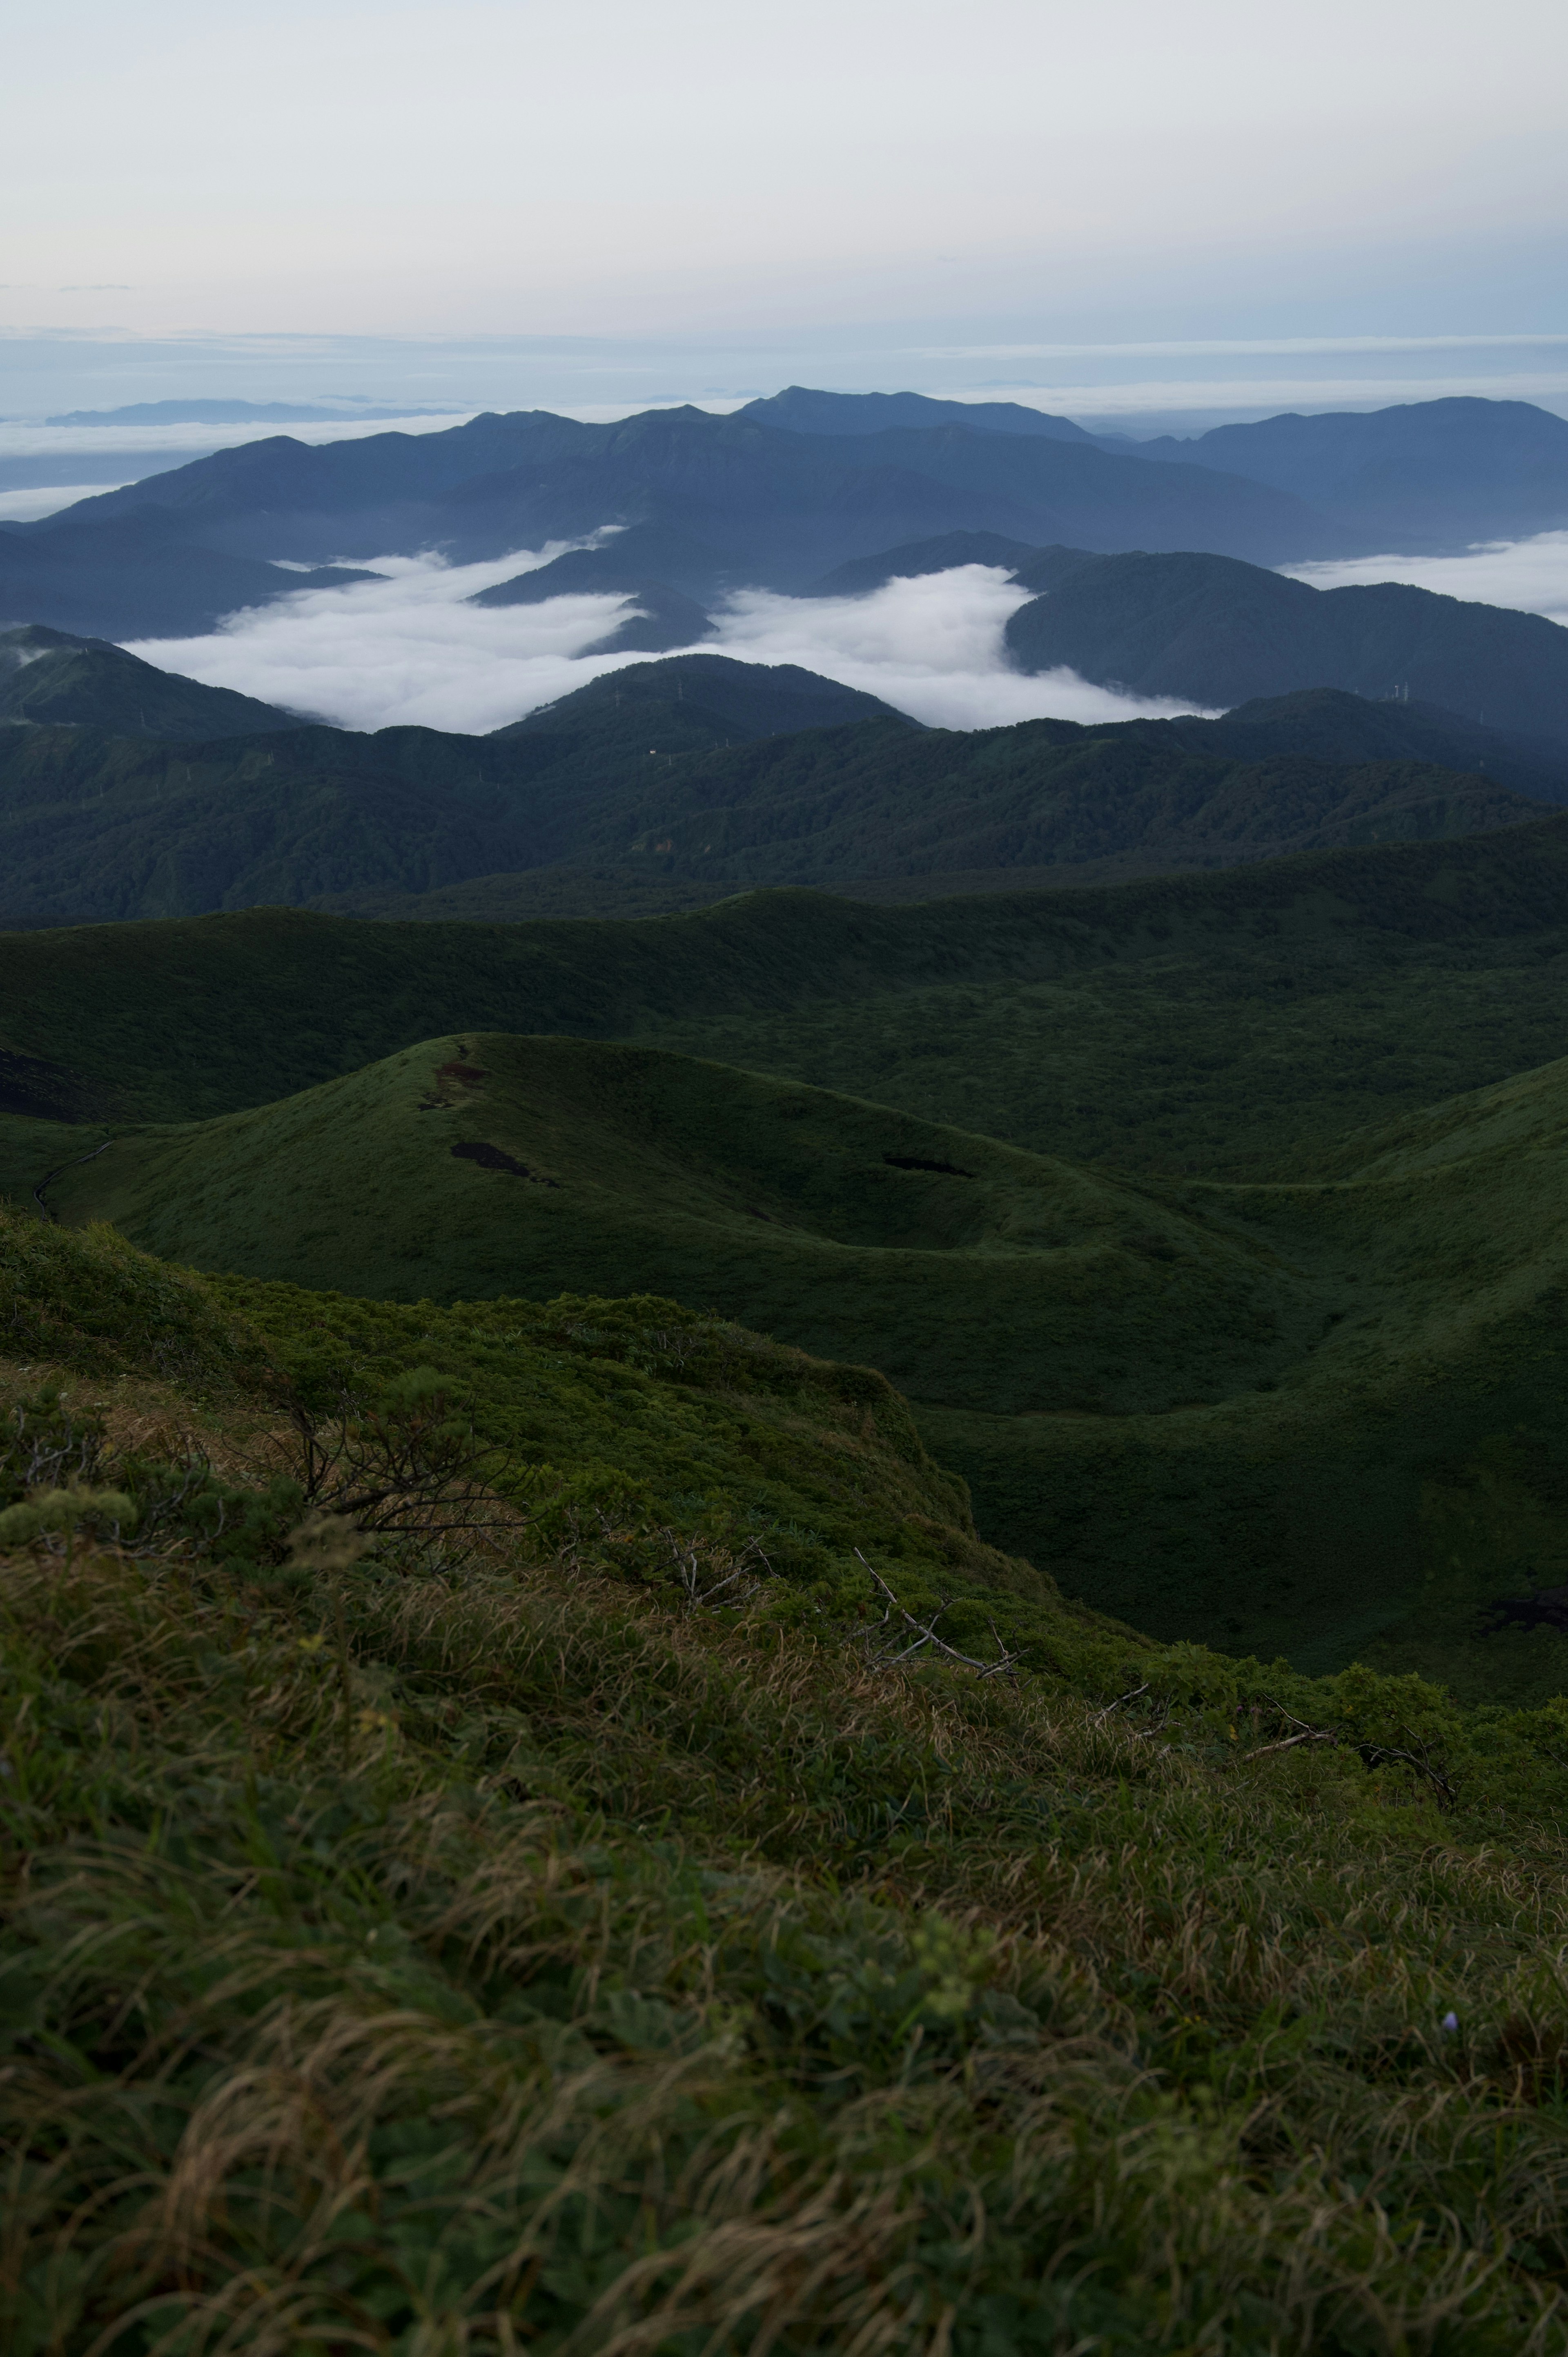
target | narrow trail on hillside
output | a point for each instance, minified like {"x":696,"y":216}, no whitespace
{"x":50,"y":1176}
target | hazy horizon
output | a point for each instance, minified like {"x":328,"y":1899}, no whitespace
{"x":1136,"y":217}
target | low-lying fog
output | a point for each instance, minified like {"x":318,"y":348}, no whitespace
{"x":409,"y":648}
{"x":1529,"y":574}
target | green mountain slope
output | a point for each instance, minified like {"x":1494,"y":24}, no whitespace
{"x":102,"y":826}
{"x":50,"y":679}
{"x":1216,"y":1022}
{"x":705,"y":772}
{"x":1244,"y":1413}
{"x":969,"y":1272}
{"x":838,"y":807}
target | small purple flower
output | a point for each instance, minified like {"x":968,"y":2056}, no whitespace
{"x":1451,"y":2025}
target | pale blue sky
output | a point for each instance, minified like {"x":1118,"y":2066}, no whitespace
{"x":1127,"y":207}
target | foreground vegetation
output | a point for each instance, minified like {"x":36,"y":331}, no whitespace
{"x":582,"y":1928}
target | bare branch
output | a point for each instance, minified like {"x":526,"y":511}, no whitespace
{"x":925,"y":1635}
{"x":1132,"y":1694}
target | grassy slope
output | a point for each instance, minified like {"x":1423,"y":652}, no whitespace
{"x":1216,"y":1410}
{"x":455,"y":1950}
{"x":1226,"y":1029}
{"x":1436,"y":957}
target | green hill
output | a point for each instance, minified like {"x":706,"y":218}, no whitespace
{"x":51,"y":680}
{"x":94,"y":825}
{"x":1217,"y":1411}
{"x":1213,"y":1023}
{"x":843,"y":807}
{"x":969,"y":1272}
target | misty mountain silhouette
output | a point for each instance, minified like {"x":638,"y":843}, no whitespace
{"x":782,"y":507}
{"x":1219,"y":632}
{"x":662,"y":618}
{"x":778,"y":495}
{"x":1426,"y":474}
{"x":143,"y":573}
{"x":799,"y":410}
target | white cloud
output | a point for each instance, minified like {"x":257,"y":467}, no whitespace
{"x":405,"y":649}
{"x":1529,"y":574}
{"x":26,"y":506}
{"x":21,"y":439}
{"x":931,"y":645}
{"x":409,"y":649}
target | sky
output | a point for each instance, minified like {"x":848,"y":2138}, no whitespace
{"x":1133,"y":212}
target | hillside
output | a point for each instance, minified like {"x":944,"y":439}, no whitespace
{"x":590,"y":1918}
{"x":1147,"y":1385}
{"x":50,"y":679}
{"x":1220,"y":633}
{"x":706,"y":772}
{"x":1212,"y":1022}
{"x":852,"y":806}
{"x":109,"y":827}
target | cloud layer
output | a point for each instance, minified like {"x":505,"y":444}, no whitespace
{"x":409,"y":649}
{"x":1529,"y":574}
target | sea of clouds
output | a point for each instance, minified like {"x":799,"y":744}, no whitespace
{"x":411,"y":648}
{"x":1529,"y":574}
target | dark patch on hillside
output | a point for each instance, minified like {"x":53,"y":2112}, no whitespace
{"x":494,"y":1158}
{"x":919,"y":1162}
{"x":40,"y":1091}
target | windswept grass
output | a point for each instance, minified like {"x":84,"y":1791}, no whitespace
{"x":636,"y":1982}
{"x":519,"y":1942}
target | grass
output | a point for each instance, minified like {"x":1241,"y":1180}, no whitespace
{"x":1427,"y":950}
{"x":1092,"y":1349}
{"x":1253,"y":1413}
{"x":469,"y":1948}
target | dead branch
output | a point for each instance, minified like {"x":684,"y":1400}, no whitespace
{"x":1006,"y":1665}
{"x":1131,"y":1695}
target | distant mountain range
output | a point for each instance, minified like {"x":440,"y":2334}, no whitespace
{"x":778,"y":495}
{"x":688,"y":779}
{"x":1425,"y":475}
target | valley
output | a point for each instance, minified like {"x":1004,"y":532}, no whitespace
{"x":1131,"y":1191}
